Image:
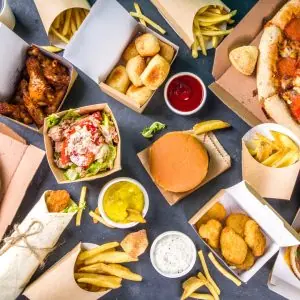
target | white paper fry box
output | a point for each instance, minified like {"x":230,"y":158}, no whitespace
{"x":282,"y":280}
{"x":263,"y":178}
{"x":18,"y":263}
{"x":100,"y":41}
{"x":243,"y":198}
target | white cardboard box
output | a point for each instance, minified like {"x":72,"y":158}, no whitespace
{"x":98,"y":45}
{"x":243,"y":198}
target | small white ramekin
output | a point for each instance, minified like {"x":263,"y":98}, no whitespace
{"x":153,"y":247}
{"x":6,"y":15}
{"x":185,"y":113}
{"x":101,"y":196}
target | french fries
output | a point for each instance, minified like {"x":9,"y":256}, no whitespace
{"x":277,"y":153}
{"x":81,"y":205}
{"x":98,"y":269}
{"x":210,"y":125}
{"x":190,"y":286}
{"x":138,"y":10}
{"x":207,"y":27}
{"x":67,"y":23}
{"x":97,"y":218}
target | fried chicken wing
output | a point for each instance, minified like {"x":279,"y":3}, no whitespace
{"x":56,"y":74}
{"x":254,"y":238}
{"x":211,"y":232}
{"x":16,"y":111}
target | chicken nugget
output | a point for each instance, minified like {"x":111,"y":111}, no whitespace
{"x":217,"y":212}
{"x":254,"y":238}
{"x":237,"y":222}
{"x":210,"y":232}
{"x":57,"y":201}
{"x":249,"y":261}
{"x":233,"y":247}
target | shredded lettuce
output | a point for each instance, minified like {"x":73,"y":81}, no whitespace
{"x":52,"y":120}
{"x":71,"y":208}
{"x":148,"y":132}
{"x":71,"y":174}
{"x":71,"y":114}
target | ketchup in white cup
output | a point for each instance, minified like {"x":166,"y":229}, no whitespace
{"x":6,"y":15}
{"x":185,"y":93}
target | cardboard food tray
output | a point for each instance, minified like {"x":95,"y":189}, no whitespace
{"x":58,"y":173}
{"x":107,"y":21}
{"x":16,"y":159}
{"x":58,"y":282}
{"x":243,"y":101}
{"x":219,"y":162}
{"x":50,"y":9}
{"x":282,"y":280}
{"x":180,"y":15}
{"x":243,"y":198}
{"x":263,"y":178}
{"x":12,"y":63}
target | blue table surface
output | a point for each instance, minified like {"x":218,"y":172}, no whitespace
{"x":161,"y":217}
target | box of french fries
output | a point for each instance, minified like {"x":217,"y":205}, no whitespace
{"x":284,"y":278}
{"x":62,"y":18}
{"x":112,"y":54}
{"x":90,"y":271}
{"x":242,"y":229}
{"x":21,"y":100}
{"x":271,"y":154}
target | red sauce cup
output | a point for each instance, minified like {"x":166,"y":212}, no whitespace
{"x":185,"y":93}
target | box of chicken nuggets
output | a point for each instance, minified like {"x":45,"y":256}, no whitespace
{"x":128,"y":60}
{"x":242,"y":229}
{"x":34,"y":83}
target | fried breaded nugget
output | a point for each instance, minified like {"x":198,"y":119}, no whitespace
{"x":217,"y":212}
{"x":237,"y":222}
{"x":254,"y":238}
{"x":57,"y":201}
{"x":249,"y":261}
{"x":210,"y":232}
{"x":233,"y":247}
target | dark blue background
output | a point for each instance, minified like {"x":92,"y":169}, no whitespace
{"x":161,"y":217}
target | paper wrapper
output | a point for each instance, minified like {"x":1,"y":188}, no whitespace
{"x":242,"y":198}
{"x":265,"y":179}
{"x":58,"y":282}
{"x":219,"y":162}
{"x":180,"y":15}
{"x":58,"y":173}
{"x":50,"y":9}
{"x":18,"y":263}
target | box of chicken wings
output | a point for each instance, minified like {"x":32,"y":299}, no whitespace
{"x":34,"y":83}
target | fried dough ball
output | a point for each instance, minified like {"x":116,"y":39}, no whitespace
{"x":134,"y":68}
{"x":254,"y":238}
{"x":147,"y":44}
{"x":249,"y":261}
{"x":57,"y":201}
{"x":118,"y":79}
{"x":130,"y":52}
{"x":217,"y":212}
{"x":233,"y":247}
{"x":237,"y":222}
{"x":166,"y":51}
{"x":210,"y":232}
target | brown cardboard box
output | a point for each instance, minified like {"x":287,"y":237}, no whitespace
{"x":50,"y":9}
{"x":242,"y":99}
{"x":243,"y":198}
{"x":16,"y":159}
{"x":219,"y":162}
{"x":59,"y":173}
{"x":58,"y":282}
{"x":107,"y":21}
{"x":14,"y":55}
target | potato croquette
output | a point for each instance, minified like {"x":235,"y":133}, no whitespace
{"x":217,"y":212}
{"x":57,"y":201}
{"x":210,"y":232}
{"x":233,"y":247}
{"x":237,"y":222}
{"x":248,"y":263}
{"x":254,"y":238}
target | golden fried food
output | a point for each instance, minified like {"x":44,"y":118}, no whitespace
{"x":217,"y":212}
{"x":210,"y":232}
{"x":248,"y":263}
{"x":118,"y":79}
{"x":166,"y":51}
{"x":134,"y":68}
{"x":254,"y":238}
{"x":130,"y":52}
{"x":233,"y":247}
{"x":147,"y":44}
{"x":139,"y":94}
{"x":57,"y":201}
{"x":135,"y":243}
{"x":237,"y":222}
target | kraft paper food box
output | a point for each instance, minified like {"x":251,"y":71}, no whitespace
{"x":102,"y":38}
{"x":242,"y":198}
